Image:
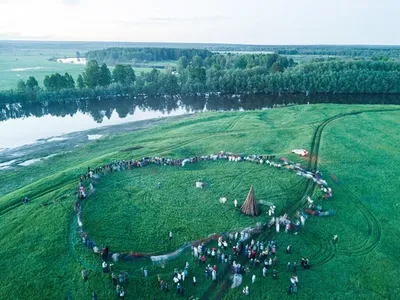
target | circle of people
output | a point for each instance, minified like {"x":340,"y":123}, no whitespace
{"x":249,"y":251}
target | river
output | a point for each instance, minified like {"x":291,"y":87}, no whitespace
{"x":28,"y":123}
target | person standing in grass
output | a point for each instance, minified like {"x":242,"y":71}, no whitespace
{"x":94,"y":295}
{"x":105,"y":267}
{"x":275,"y":274}
{"x":178,"y":289}
{"x":213,"y":253}
{"x":114,"y":278}
{"x":335,"y":238}
{"x":253,"y":278}
{"x":194,"y":281}
{"x":214,"y":275}
{"x":84,"y":274}
{"x":264,"y":271}
{"x":170,"y":235}
{"x":118,"y":289}
{"x":183,"y":275}
{"x":104,"y":253}
{"x":122,"y":293}
{"x":246,"y":290}
{"x":203,"y":259}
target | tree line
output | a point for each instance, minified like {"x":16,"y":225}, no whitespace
{"x":150,"y":54}
{"x":136,"y":55}
{"x":239,"y":74}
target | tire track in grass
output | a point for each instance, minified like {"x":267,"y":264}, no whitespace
{"x":327,"y":250}
{"x":234,"y":122}
{"x":15,"y":204}
{"x":326,"y":245}
{"x":374,"y":228}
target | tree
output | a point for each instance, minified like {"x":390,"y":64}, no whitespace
{"x":105,"y":75}
{"x":92,"y":75}
{"x":276,"y":67}
{"x":69,"y":81}
{"x":21,"y":86}
{"x":197,"y":61}
{"x":124,"y":74}
{"x":152,"y":76}
{"x":182,"y":63}
{"x":32,"y":83}
{"x":240,"y":62}
{"x":57,"y":81}
{"x":80,"y":82}
{"x":130,"y":76}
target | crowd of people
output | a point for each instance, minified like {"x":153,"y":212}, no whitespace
{"x":237,"y":250}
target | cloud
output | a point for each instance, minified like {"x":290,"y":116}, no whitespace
{"x":71,"y":2}
{"x":20,"y":36}
{"x":172,"y":20}
{"x":190,"y":19}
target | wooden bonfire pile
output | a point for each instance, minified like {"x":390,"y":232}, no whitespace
{"x":250,"y":206}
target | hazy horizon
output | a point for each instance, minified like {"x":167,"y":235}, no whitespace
{"x":187,"y":43}
{"x":254,"y":22}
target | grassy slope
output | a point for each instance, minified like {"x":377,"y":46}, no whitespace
{"x":41,"y":251}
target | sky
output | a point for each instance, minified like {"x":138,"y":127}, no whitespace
{"x":207,"y":21}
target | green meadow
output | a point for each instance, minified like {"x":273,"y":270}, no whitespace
{"x":357,"y":146}
{"x":20,"y":65}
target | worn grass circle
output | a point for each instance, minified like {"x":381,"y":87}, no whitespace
{"x":130,"y":213}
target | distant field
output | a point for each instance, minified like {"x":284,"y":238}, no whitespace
{"x":22,"y":64}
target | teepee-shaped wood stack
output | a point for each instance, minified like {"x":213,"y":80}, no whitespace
{"x":250,"y":206}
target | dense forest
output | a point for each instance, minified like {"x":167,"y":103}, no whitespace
{"x":135,"y":55}
{"x":371,"y":51}
{"x":138,"y":55}
{"x":377,"y":52}
{"x":222,"y":73}
{"x":351,"y":51}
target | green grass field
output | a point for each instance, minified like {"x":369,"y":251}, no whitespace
{"x":42,"y":254}
{"x":179,"y":204}
{"x":15,"y":67}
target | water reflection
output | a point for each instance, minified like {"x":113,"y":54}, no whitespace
{"x":123,"y":106}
